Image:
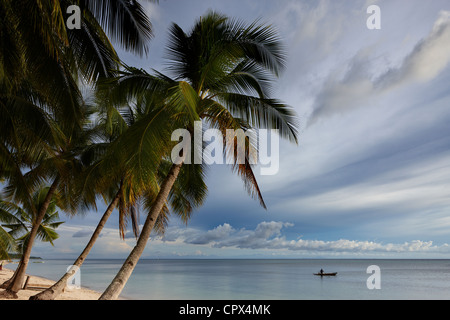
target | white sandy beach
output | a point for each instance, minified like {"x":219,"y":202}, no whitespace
{"x":80,"y":294}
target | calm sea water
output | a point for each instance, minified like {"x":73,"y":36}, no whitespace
{"x":263,"y":279}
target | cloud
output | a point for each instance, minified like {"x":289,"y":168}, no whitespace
{"x":349,"y":87}
{"x":268,"y":236}
{"x":82,"y":233}
{"x":221,"y":232}
{"x":265,"y":233}
{"x":422,"y":185}
{"x":152,"y":10}
{"x":428,"y":59}
{"x":340,"y":95}
{"x":317,"y":25}
{"x":73,"y":240}
{"x":368,"y":246}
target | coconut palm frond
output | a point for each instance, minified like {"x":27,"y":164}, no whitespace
{"x":125,"y":21}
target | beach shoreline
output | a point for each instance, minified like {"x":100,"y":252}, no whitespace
{"x":35,"y":281}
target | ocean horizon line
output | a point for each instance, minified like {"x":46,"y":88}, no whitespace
{"x":247,"y":259}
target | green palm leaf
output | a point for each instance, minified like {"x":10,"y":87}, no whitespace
{"x":262,"y":113}
{"x":125,"y":21}
{"x":20,"y":220}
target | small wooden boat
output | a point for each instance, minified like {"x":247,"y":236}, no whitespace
{"x":326,"y":274}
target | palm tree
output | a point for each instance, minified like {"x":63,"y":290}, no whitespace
{"x":41,"y":62}
{"x":7,"y":242}
{"x":188,"y":193}
{"x":55,"y":290}
{"x":54,"y":160}
{"x":33,"y":31}
{"x":223,"y":70}
{"x":40,"y":58}
{"x":21,"y":220}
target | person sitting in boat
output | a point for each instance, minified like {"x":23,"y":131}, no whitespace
{"x":321,"y":271}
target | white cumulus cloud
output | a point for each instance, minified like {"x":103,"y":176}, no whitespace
{"x":350,"y":87}
{"x":269,"y":236}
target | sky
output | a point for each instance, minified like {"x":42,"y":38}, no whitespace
{"x":370,"y":177}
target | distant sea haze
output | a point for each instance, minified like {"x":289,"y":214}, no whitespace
{"x":263,"y":279}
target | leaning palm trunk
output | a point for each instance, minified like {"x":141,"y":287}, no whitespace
{"x":15,"y":283}
{"x":54,"y":291}
{"x":115,"y":288}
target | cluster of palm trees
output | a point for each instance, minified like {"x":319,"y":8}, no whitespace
{"x":78,"y":124}
{"x":19,"y":221}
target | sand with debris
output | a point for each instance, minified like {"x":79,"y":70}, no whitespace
{"x":36,"y":284}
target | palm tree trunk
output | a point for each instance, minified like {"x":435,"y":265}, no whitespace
{"x":16,"y":282}
{"x":54,"y":291}
{"x":115,"y":288}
